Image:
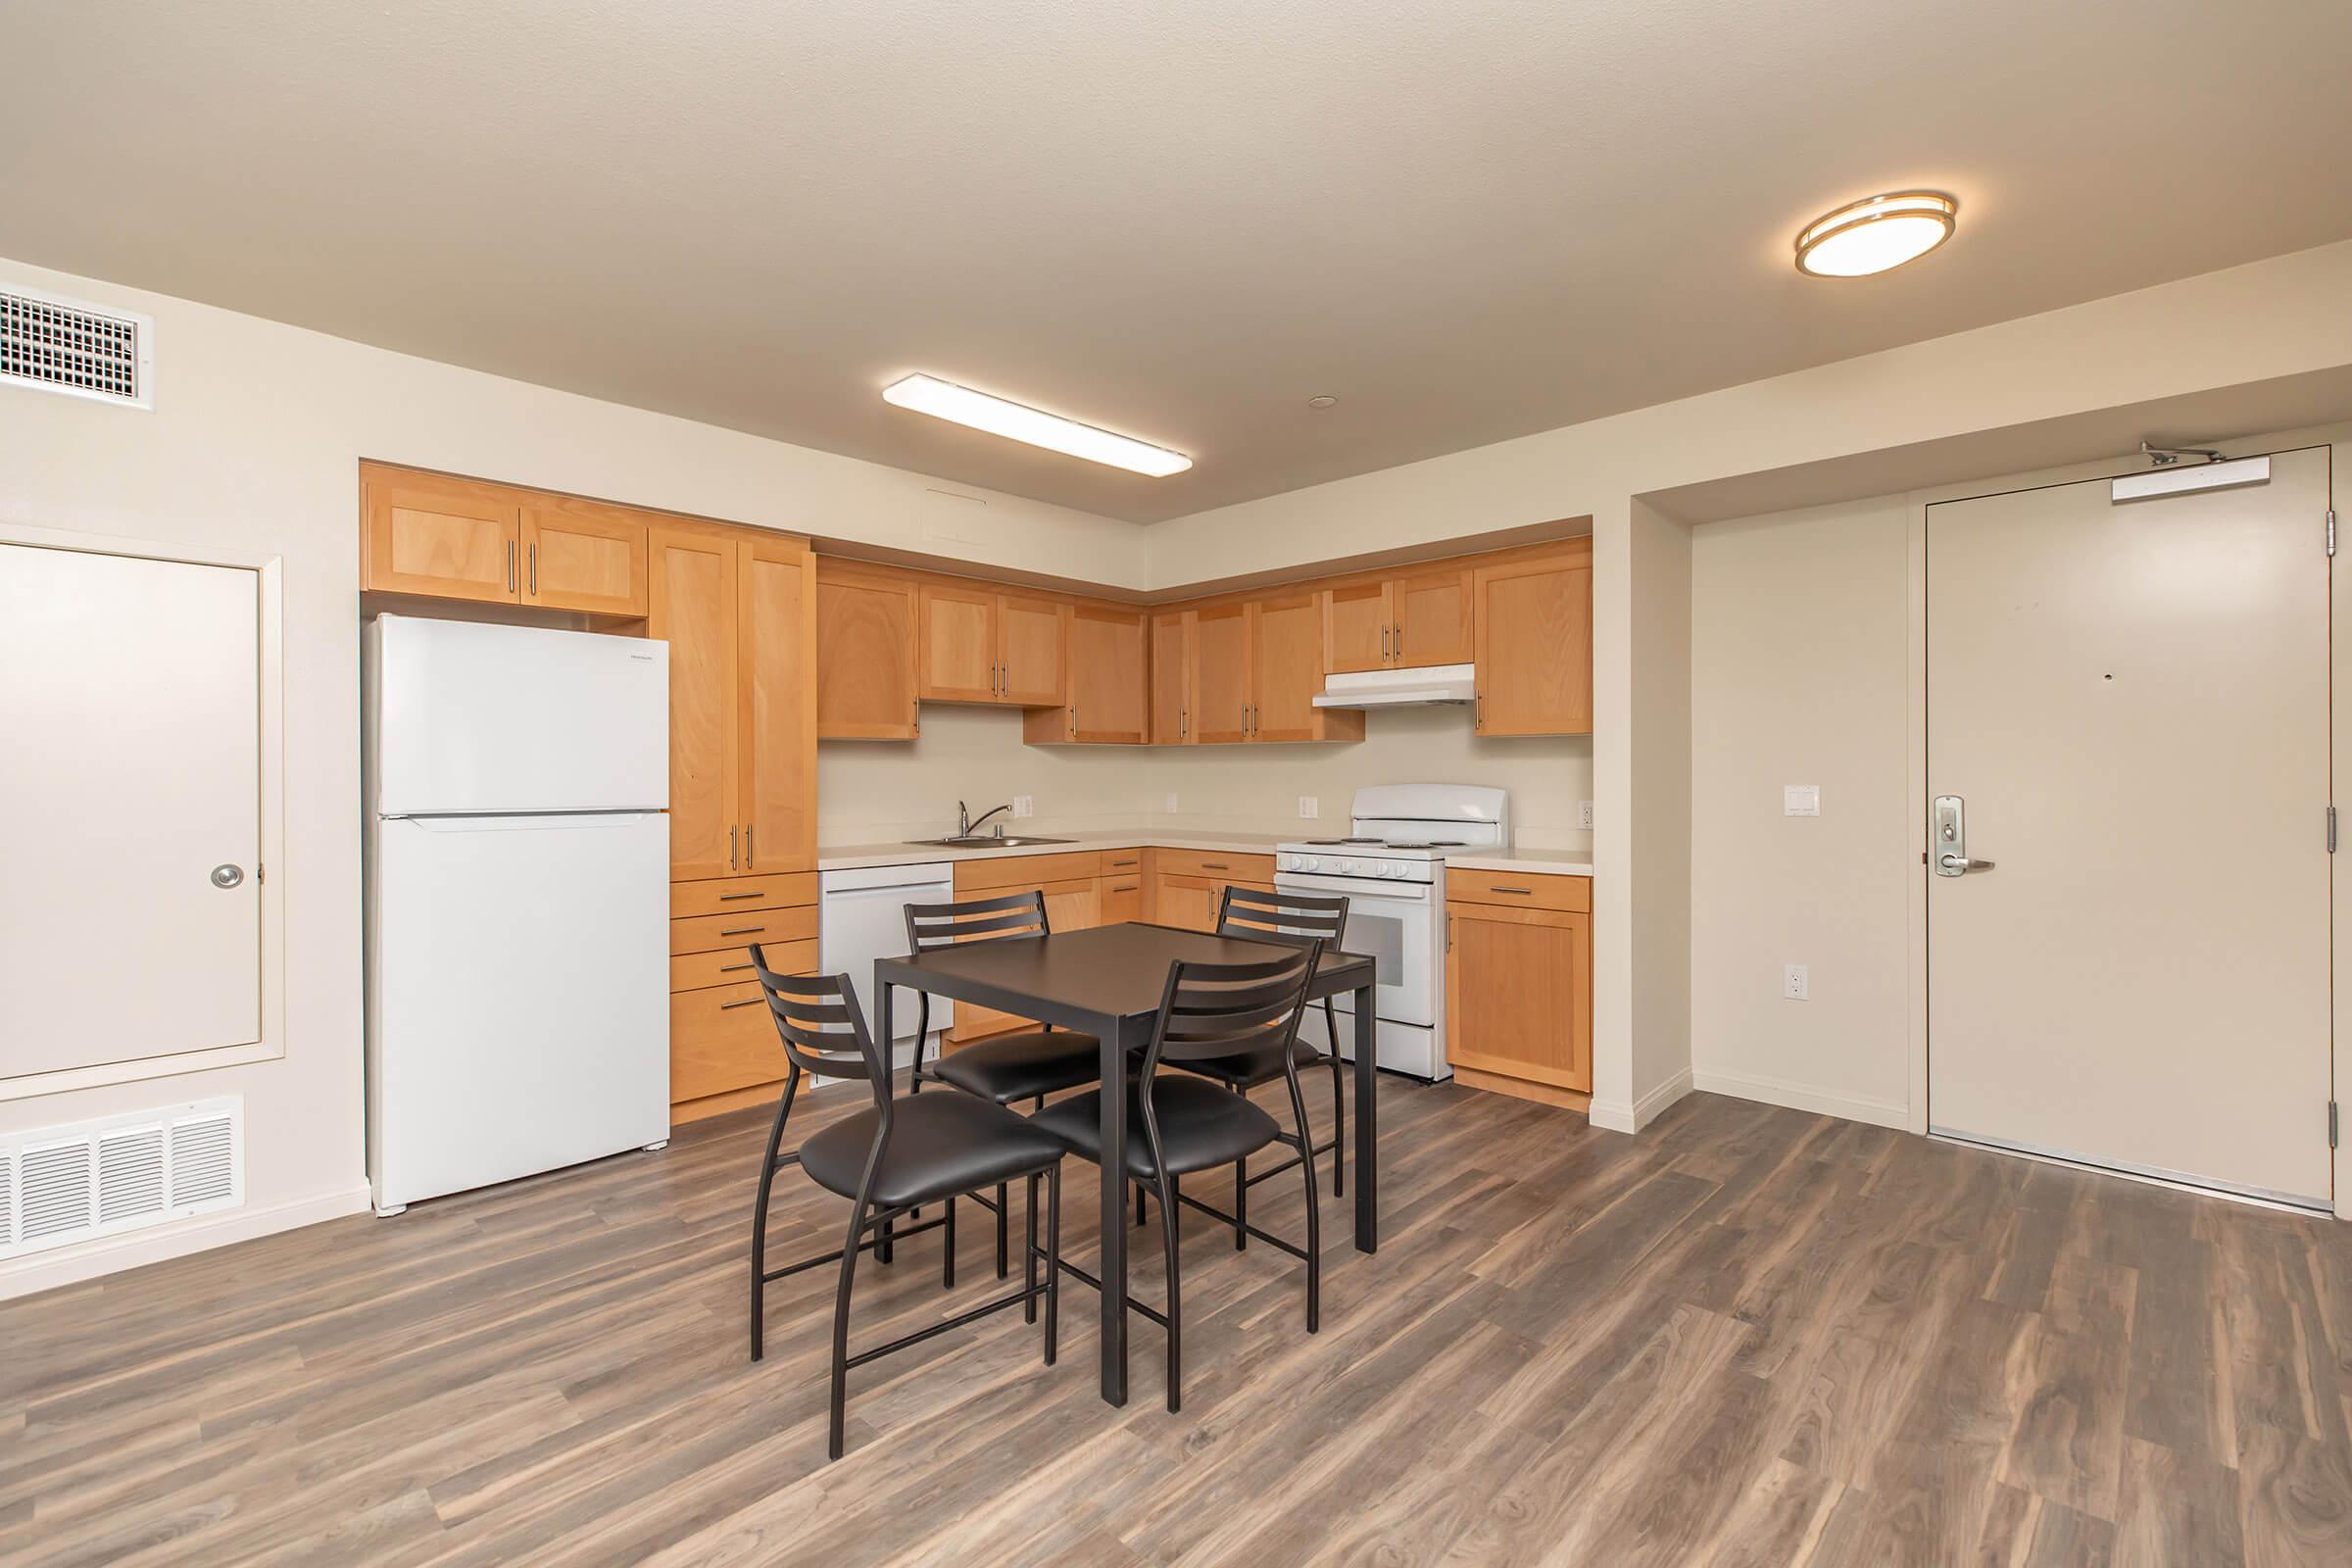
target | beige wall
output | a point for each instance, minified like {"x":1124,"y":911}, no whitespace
{"x":1807,"y":668}
{"x":883,"y":791}
{"x":253,"y":445}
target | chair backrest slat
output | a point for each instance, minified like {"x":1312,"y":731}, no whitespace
{"x":1221,"y":1009}
{"x":1256,"y":914}
{"x":999,"y":920}
{"x":820,"y":1024}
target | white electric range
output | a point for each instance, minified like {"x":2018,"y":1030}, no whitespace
{"x":1391,"y":865}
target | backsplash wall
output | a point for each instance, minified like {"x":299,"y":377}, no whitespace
{"x":884,"y":791}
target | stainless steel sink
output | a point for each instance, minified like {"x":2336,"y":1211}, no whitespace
{"x":987,"y":841}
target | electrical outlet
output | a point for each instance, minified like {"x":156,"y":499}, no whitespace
{"x":1310,"y":806}
{"x":1801,"y":799}
{"x":1170,"y":805}
{"x":1797,"y":983}
{"x":1583,"y":815}
{"x":1024,"y":805}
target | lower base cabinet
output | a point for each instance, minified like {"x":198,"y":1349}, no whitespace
{"x":723,"y":1050}
{"x":1518,"y":982}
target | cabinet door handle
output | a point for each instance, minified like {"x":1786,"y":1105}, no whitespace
{"x":1184,"y":717}
{"x":1528,"y":892}
{"x":1384,"y":643}
{"x":1397,"y":650}
{"x":748,"y":1001}
{"x":1073,"y":721}
{"x":732,"y":862}
{"x":749,"y":859}
{"x":1449,"y":933}
{"x":1214,"y":865}
{"x":730,"y":898}
{"x":744,"y":931}
{"x":510,"y":566}
{"x":731,"y":968}
{"x":535,"y":568}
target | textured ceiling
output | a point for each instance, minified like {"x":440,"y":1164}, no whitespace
{"x":1467,"y":220}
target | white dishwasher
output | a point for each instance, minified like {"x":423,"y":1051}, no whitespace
{"x":863,"y":916}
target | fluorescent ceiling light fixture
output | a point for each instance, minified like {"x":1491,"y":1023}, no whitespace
{"x":1870,"y":236}
{"x":2182,"y":479}
{"x":927,"y":394}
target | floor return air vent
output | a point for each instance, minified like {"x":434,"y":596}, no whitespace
{"x":60,"y":1185}
{"x":54,"y":344}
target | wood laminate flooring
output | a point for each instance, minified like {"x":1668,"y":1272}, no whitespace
{"x":1748,"y":1336}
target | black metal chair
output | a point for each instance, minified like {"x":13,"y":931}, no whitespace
{"x":888,"y":1159}
{"x":1295,"y":918}
{"x":1179,"y":1123}
{"x":1028,"y":1064}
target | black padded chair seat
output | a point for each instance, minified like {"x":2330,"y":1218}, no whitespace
{"x":940,"y":1144}
{"x":1022,"y":1066}
{"x":1250,"y":1068}
{"x":1200,"y":1125}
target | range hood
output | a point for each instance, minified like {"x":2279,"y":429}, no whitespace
{"x":1400,"y":688}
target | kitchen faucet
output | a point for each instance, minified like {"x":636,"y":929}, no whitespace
{"x":965,"y":823}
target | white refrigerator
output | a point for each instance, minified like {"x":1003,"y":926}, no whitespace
{"x":517,"y":909}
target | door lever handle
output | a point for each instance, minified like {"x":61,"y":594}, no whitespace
{"x":1957,"y":864}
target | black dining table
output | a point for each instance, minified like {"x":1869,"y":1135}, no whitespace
{"x":1107,"y":982}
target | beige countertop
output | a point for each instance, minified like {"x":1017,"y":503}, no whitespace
{"x":1530,"y":862}
{"x":846,"y":856}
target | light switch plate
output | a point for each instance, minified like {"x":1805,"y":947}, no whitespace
{"x":1797,"y":983}
{"x":1583,"y":815}
{"x":1801,"y":799}
{"x":1309,"y":807}
{"x":1024,"y":805}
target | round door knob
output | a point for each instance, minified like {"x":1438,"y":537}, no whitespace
{"x":228,"y":876}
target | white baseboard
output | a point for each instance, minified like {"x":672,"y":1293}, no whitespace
{"x":1801,"y":1097}
{"x":1622,"y":1117}
{"x":71,"y":1265}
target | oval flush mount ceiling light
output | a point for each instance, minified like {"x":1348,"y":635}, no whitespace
{"x":1872,"y":235}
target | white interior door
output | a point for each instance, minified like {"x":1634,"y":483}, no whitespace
{"x":2131,"y":699}
{"x":130,"y":770}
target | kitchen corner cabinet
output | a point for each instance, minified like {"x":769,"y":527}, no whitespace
{"x":866,"y":656}
{"x":1533,"y":631}
{"x":977,"y":645}
{"x":1407,"y":621}
{"x":1188,"y":885}
{"x":1109,"y":664}
{"x":740,"y":616}
{"x":1518,"y":983}
{"x":1247,"y":671}
{"x":1171,"y":706}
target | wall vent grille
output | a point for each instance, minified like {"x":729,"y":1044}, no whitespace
{"x":62,"y":345}
{"x":60,"y":1185}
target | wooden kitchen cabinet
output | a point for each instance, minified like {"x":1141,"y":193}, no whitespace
{"x":1172,"y":634}
{"x":866,"y":656}
{"x":1072,"y":887}
{"x":1109,"y":681}
{"x":723,"y":1050}
{"x":1407,"y":621}
{"x":1221,"y":684}
{"x":739,"y":613}
{"x":1356,"y":621}
{"x":1186,"y":901}
{"x":1518,"y":984}
{"x":420,"y":533}
{"x":1532,"y":629}
{"x":578,"y":554}
{"x":1188,"y":885}
{"x":1286,"y":664}
{"x":978,"y":645}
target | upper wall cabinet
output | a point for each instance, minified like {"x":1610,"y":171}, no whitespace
{"x":977,"y":645}
{"x":1106,"y":654}
{"x":422,"y":534}
{"x":866,"y":656}
{"x":1533,"y":622}
{"x":1171,"y":705}
{"x":579,"y":555}
{"x":1406,"y":621}
{"x":448,"y":538}
{"x":1244,"y":672}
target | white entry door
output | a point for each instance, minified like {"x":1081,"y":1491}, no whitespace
{"x":130,"y":794}
{"x":2131,"y":702}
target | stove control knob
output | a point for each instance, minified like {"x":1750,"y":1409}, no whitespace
{"x":1287,"y":863}
{"x":1350,"y":867}
{"x":1393,"y":868}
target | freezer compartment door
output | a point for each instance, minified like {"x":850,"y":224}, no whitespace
{"x":465,"y":716}
{"x":519,"y":997}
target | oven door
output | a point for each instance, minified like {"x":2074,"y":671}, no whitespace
{"x":1394,"y":924}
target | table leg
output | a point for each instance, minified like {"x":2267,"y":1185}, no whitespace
{"x":1367,"y":1125}
{"x":1115,"y":1210}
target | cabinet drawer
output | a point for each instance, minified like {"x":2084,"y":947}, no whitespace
{"x":1126,"y":865}
{"x":1122,"y":898}
{"x":1024,"y":870}
{"x":715,"y":933}
{"x":1520,"y":889}
{"x":1210,"y":863}
{"x":731,"y":966}
{"x":721,"y":1038}
{"x":735,"y":894}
